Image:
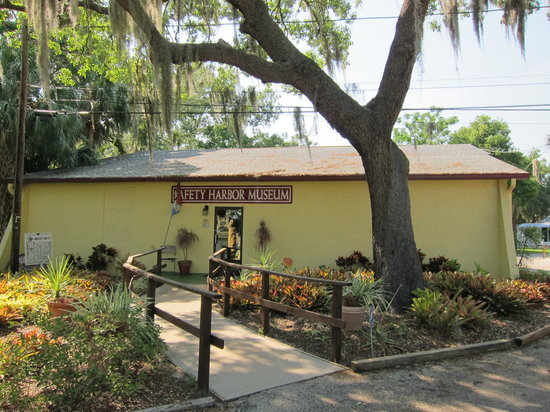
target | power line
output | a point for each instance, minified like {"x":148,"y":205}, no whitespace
{"x":304,"y":109}
{"x":460,"y":79}
{"x":344,"y":19}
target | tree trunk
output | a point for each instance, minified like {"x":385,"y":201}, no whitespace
{"x":394,"y":249}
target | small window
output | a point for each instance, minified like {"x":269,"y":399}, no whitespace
{"x":545,"y":235}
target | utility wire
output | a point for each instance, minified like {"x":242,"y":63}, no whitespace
{"x":344,"y":19}
{"x":517,"y":108}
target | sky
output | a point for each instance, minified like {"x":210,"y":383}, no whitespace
{"x":491,"y":74}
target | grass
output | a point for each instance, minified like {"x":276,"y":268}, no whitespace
{"x":533,"y":250}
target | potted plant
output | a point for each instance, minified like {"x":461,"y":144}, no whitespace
{"x":362,"y":293}
{"x":185,"y":239}
{"x":56,"y":278}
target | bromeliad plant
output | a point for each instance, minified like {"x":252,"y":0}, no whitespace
{"x":447,"y":314}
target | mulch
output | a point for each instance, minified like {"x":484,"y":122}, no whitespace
{"x":400,"y":333}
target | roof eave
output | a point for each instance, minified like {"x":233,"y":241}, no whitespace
{"x":270,"y":178}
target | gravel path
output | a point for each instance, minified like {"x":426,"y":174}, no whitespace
{"x":537,"y":262}
{"x":515,"y":380}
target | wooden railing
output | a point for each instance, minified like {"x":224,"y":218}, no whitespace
{"x":220,"y":267}
{"x":203,"y":332}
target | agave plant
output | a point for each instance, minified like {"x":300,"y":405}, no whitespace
{"x":55,"y":277}
{"x":365,"y":291}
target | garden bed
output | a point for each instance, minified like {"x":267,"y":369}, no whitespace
{"x":104,"y":357}
{"x":401,"y":333}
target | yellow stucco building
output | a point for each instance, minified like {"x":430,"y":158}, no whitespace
{"x":314,"y":201}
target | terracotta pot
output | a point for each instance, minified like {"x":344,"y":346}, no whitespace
{"x":185,"y":266}
{"x":354,"y":317}
{"x":60,"y":307}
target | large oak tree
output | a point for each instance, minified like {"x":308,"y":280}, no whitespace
{"x":266,"y":28}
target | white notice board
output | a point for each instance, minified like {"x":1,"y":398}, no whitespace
{"x":38,"y":248}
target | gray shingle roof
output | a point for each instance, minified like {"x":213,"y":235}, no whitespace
{"x":284,"y":163}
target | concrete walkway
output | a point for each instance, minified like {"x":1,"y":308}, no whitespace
{"x":249,"y":363}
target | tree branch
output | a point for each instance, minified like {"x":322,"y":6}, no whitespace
{"x":222,"y":52}
{"x":87,"y":4}
{"x":400,"y":63}
{"x":10,"y":6}
{"x":335,"y":105}
{"x":90,"y":5}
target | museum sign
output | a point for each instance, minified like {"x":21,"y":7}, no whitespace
{"x":233,"y":194}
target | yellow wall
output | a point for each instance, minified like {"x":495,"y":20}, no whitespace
{"x":461,"y":219}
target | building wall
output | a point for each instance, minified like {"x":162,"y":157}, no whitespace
{"x":460,"y":219}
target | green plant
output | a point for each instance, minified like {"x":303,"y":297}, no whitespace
{"x":185,"y":239}
{"x":364,"y":291}
{"x":101,"y":256}
{"x":265,"y":261}
{"x":20,"y":354}
{"x":354,"y":261}
{"x":499,"y":297}
{"x":106,"y":345}
{"x":379,"y":337}
{"x":76,"y":261}
{"x":540,"y":276}
{"x":56,"y":277}
{"x":432,"y":308}
{"x":304,"y":295}
{"x":470,"y":310}
{"x":527,"y":236}
{"x":533,"y":292}
{"x":441,"y":263}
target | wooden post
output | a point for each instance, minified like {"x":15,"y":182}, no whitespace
{"x":336,"y":333}
{"x":226,"y":296}
{"x":20,"y":149}
{"x":210,"y":273}
{"x":204,"y":342}
{"x":159,"y":262}
{"x":265,"y":311}
{"x":126,"y":277}
{"x":151,"y":289}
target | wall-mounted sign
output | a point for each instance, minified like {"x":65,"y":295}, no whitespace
{"x":38,"y":248}
{"x":234,"y":194}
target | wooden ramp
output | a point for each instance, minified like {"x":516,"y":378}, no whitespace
{"x":249,"y":363}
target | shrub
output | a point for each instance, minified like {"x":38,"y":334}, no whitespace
{"x":323,"y":273}
{"x":20,"y":355}
{"x":302,"y":295}
{"x":101,"y":256}
{"x":540,"y":276}
{"x":432,"y":308}
{"x":104,"y":346}
{"x":354,"y":261}
{"x":75,"y":261}
{"x":441,"y":263}
{"x":533,"y":292}
{"x":470,"y":310}
{"x":499,"y":297}
{"x":439,"y":311}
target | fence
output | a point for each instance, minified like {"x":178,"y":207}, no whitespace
{"x":203,"y":332}
{"x":220,"y":267}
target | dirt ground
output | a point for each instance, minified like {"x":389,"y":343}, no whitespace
{"x":515,"y":380}
{"x":537,"y":262}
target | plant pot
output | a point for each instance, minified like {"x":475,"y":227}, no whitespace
{"x":60,"y":307}
{"x":354,"y":317}
{"x":185,"y":266}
